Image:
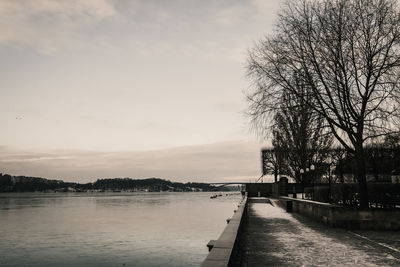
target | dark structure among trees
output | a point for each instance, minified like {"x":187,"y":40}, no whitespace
{"x":333,"y":180}
{"x":382,"y":163}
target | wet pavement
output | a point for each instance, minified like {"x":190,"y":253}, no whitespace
{"x":273,"y":237}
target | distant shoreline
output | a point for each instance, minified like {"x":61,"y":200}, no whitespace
{"x":9,"y":184}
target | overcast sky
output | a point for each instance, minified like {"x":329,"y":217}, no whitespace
{"x":118,"y":88}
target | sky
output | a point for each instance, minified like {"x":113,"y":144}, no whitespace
{"x":126,"y":88}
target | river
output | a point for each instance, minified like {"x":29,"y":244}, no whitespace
{"x":110,"y":229}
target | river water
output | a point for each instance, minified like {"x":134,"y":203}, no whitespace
{"x":110,"y":229}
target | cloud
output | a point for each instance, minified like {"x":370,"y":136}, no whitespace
{"x":225,"y":161}
{"x":125,"y":74}
{"x":52,"y":25}
{"x":47,"y":25}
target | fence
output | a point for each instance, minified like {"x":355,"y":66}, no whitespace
{"x":379,"y":195}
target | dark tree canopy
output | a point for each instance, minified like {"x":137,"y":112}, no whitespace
{"x":271,"y":162}
{"x":300,"y":135}
{"x":347,"y":52}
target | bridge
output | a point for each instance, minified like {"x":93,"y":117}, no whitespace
{"x":222,"y":184}
{"x":228,"y":183}
{"x":258,"y":180}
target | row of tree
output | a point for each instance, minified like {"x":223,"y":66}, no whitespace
{"x":154,"y":184}
{"x":10,"y":183}
{"x":329,"y":75}
{"x":381,"y":159}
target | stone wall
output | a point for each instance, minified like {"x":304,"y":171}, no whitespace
{"x":338,"y":216}
{"x":280,"y":188}
{"x":260,"y":189}
{"x":379,"y":219}
{"x":225,"y":247}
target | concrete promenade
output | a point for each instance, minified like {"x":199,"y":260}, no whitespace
{"x":273,"y":237}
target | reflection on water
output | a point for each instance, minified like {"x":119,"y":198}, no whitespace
{"x":110,"y":229}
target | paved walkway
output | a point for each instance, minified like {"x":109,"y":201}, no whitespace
{"x":273,"y":237}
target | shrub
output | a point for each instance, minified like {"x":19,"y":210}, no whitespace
{"x":321,"y":193}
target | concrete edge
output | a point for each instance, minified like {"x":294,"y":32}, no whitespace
{"x":221,"y":252}
{"x":328,"y":205}
{"x":335,"y":215}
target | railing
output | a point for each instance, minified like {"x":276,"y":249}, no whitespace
{"x":379,"y":195}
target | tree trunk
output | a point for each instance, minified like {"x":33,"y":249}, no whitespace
{"x":361,"y":176}
{"x":276,"y":174}
{"x":341,"y":171}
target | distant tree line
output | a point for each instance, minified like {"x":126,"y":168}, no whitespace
{"x":10,"y":183}
{"x":153,"y":184}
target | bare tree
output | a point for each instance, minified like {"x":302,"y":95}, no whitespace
{"x":338,"y":157}
{"x":348,"y":53}
{"x":271,"y":162}
{"x":301,"y":134}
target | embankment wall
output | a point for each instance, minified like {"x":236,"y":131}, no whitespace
{"x":338,"y":216}
{"x":225,"y":247}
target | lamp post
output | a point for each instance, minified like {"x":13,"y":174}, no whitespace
{"x":329,"y":179}
{"x":312,"y":168}
{"x":307,"y":177}
{"x":302,"y":181}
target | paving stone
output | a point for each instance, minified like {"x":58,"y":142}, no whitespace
{"x":273,"y":237}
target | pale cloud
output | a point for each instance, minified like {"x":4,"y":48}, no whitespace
{"x":265,"y":7}
{"x":48,"y":25}
{"x":59,"y":8}
{"x":147,"y":26}
{"x":226,"y":161}
{"x":127,"y":75}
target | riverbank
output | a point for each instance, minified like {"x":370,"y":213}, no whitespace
{"x":9,"y":183}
